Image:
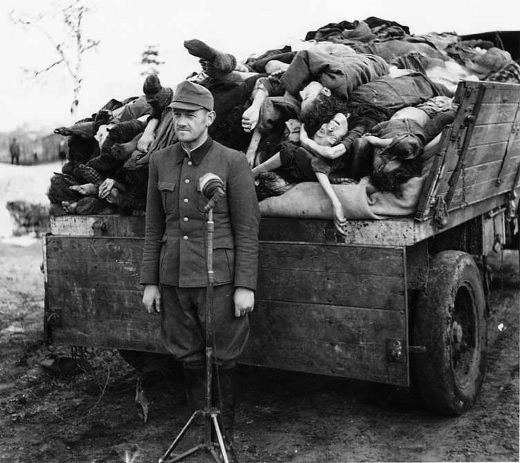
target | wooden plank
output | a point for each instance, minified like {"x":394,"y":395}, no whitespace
{"x":331,"y":258}
{"x":331,"y":288}
{"x":512,"y":145}
{"x":480,"y":173}
{"x":98,"y":225}
{"x":498,"y":93}
{"x":496,"y":113}
{"x":89,"y":301}
{"x":487,"y":134}
{"x":477,"y":155}
{"x":481,"y":191}
{"x":342,"y":281}
{"x":329,"y":323}
{"x":344,"y":341}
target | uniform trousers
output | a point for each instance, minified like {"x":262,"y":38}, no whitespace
{"x":183,"y":325}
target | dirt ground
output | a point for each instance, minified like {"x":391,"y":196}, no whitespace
{"x":90,"y":415}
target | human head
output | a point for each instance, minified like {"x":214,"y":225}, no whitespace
{"x":330,"y":133}
{"x":156,"y":95}
{"x":321,"y":109}
{"x":397,"y":163}
{"x":406,"y":146}
{"x":192,"y":112}
{"x":310,"y":93}
{"x":390,"y":174}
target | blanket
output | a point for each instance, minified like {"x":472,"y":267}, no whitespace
{"x":308,"y":200}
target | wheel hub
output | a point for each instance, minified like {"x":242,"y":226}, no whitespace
{"x":456,"y":335}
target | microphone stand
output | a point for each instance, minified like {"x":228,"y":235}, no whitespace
{"x":211,"y":414}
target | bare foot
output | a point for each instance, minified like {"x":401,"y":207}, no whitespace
{"x":68,"y":207}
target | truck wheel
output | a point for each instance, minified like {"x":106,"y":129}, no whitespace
{"x":450,"y":322}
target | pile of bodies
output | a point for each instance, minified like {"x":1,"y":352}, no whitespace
{"x":361,"y":101}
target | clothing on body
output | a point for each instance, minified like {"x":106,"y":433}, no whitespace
{"x":341,"y":74}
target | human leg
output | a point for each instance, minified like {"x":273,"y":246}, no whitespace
{"x":274,"y":162}
{"x":230,"y":336}
{"x":220,"y":62}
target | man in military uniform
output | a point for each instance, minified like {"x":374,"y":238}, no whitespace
{"x":174,"y":266}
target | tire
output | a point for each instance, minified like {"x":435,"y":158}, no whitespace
{"x":450,"y":321}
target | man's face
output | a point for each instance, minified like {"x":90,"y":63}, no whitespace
{"x":331,"y":133}
{"x":191,"y":125}
{"x":310,"y":92}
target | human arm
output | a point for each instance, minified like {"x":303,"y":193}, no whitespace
{"x":252,"y":147}
{"x":328,"y":152}
{"x":152,"y":298}
{"x":252,"y":114}
{"x":245,"y":219}
{"x":85,"y":189}
{"x":339,"y":218}
{"x":244,"y":299}
{"x":377,"y":142}
{"x":148,"y":135}
{"x":154,"y":228}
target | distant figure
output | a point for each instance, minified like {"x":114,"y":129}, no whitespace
{"x":35,"y":157}
{"x":14,"y":149}
{"x":62,"y":151}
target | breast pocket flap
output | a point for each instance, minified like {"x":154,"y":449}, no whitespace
{"x":166,"y":186}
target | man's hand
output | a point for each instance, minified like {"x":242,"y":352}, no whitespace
{"x":244,"y":299}
{"x":151,"y":298}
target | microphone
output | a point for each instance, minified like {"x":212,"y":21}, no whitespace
{"x":212,"y":188}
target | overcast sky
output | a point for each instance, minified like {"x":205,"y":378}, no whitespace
{"x":241,"y":27}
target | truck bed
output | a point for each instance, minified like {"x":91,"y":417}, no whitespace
{"x":325,"y":304}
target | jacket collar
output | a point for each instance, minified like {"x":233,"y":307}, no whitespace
{"x":197,"y":155}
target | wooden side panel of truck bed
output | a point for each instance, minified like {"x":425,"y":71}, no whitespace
{"x":330,"y":309}
{"x":480,"y":152}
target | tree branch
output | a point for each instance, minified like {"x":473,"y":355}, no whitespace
{"x":41,"y":71}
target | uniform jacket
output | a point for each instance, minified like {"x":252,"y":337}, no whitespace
{"x":174,"y":250}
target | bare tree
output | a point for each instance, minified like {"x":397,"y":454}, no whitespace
{"x":70,"y":48}
{"x":150,"y":60}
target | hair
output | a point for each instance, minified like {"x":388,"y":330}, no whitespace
{"x":406,"y":146}
{"x":321,"y":110}
{"x":392,"y":180}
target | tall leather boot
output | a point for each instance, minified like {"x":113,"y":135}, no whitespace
{"x":228,"y":380}
{"x":195,"y":386}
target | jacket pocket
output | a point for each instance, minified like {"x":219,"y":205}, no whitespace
{"x":224,"y":264}
{"x":167,"y":189}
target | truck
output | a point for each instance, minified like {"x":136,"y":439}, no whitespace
{"x":400,"y":301}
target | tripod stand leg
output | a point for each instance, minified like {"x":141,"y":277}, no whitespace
{"x":234,"y":457}
{"x":176,"y":441}
{"x":220,"y":439}
{"x":189,"y":452}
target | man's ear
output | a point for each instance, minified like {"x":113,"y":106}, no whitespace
{"x":347,"y":115}
{"x":210,"y":118}
{"x":326,"y":91}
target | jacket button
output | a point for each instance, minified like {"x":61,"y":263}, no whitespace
{"x":185,"y":237}
{"x":190,"y":163}
{"x":185,"y":219}
{"x":186,"y":200}
{"x":187,"y":180}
